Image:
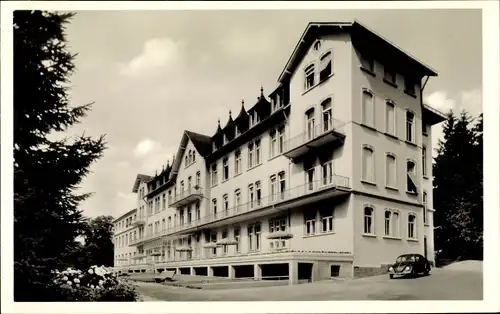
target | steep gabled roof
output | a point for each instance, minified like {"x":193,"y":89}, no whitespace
{"x":360,"y":36}
{"x":202,"y":143}
{"x":140,"y":178}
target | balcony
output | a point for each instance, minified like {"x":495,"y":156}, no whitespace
{"x":138,"y":240}
{"x":330,"y":133}
{"x":310,"y":192}
{"x":139,"y":221}
{"x":313,"y":191}
{"x":186,"y":197}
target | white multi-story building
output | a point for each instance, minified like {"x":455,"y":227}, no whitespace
{"x":122,"y":238}
{"x":329,"y":177}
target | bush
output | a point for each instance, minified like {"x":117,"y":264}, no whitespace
{"x":95,"y":284}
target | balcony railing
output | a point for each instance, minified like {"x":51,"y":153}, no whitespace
{"x":186,"y":197}
{"x":315,"y":137}
{"x":278,"y":198}
{"x":139,"y":221}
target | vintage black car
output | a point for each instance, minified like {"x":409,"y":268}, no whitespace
{"x":410,"y":265}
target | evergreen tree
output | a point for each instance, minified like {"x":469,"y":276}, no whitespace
{"x":458,"y":189}
{"x":99,"y":241}
{"x":46,"y":173}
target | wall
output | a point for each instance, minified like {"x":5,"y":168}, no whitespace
{"x":269,"y":166}
{"x":382,"y":143}
{"x":122,"y":248}
{"x":337,"y":87}
{"x":428,"y":187}
{"x":340,"y":240}
{"x":372,"y":251}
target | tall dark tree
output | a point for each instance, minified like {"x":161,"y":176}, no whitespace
{"x":458,"y":185}
{"x":46,"y":173}
{"x":99,"y":241}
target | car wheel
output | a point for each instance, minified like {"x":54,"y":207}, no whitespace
{"x":391,"y":276}
{"x":413,"y":273}
{"x":428,"y":271}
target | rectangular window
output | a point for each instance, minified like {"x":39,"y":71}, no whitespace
{"x":310,"y":223}
{"x":251,"y":196}
{"x":189,"y":185}
{"x":181,"y":217}
{"x":250,"y":238}
{"x":368,"y":220}
{"x":411,"y":184}
{"x":326,"y":220}
{"x":273,"y":188}
{"x":213,"y":239}
{"x":237,"y":200}
{"x":257,"y":152}
{"x":237,"y":162}
{"x":368,"y":165}
{"x":327,"y":173}
{"x":424,"y":202}
{"x":412,"y":231}
{"x":424,"y":161}
{"x":387,"y":222}
{"x":368,"y":110}
{"x":390,"y":118}
{"x":258,"y":193}
{"x":198,"y":180}
{"x":257,"y":236}
{"x":225,"y":167}
{"x":310,"y":125}
{"x":164,"y":202}
{"x":163,"y":224}
{"x":214,"y":206}
{"x":189,"y":214}
{"x":327,"y":115}
{"x":390,"y":168}
{"x":389,"y":75}
{"x":410,"y":127}
{"x":409,"y":86}
{"x":281,"y":139}
{"x":237,"y":239}
{"x":198,"y":211}
{"x":309,"y":77}
{"x":214,"y":174}
{"x":325,"y":66}
{"x":282,"y":185}
{"x":367,"y":63}
{"x":310,"y":179}
{"x":250,"y":155}
{"x":272,"y":143}
{"x":226,"y":202}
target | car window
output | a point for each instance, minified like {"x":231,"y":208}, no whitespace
{"x":405,"y":258}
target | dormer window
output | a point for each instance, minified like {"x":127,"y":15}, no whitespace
{"x":250,"y":116}
{"x":256,"y":117}
{"x":236,"y":131}
{"x":224,"y":139}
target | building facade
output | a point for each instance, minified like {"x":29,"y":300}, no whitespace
{"x":329,"y":175}
{"x":123,"y":235}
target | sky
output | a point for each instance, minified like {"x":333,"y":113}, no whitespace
{"x":154,"y":74}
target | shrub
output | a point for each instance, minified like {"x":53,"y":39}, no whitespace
{"x":94,"y":284}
